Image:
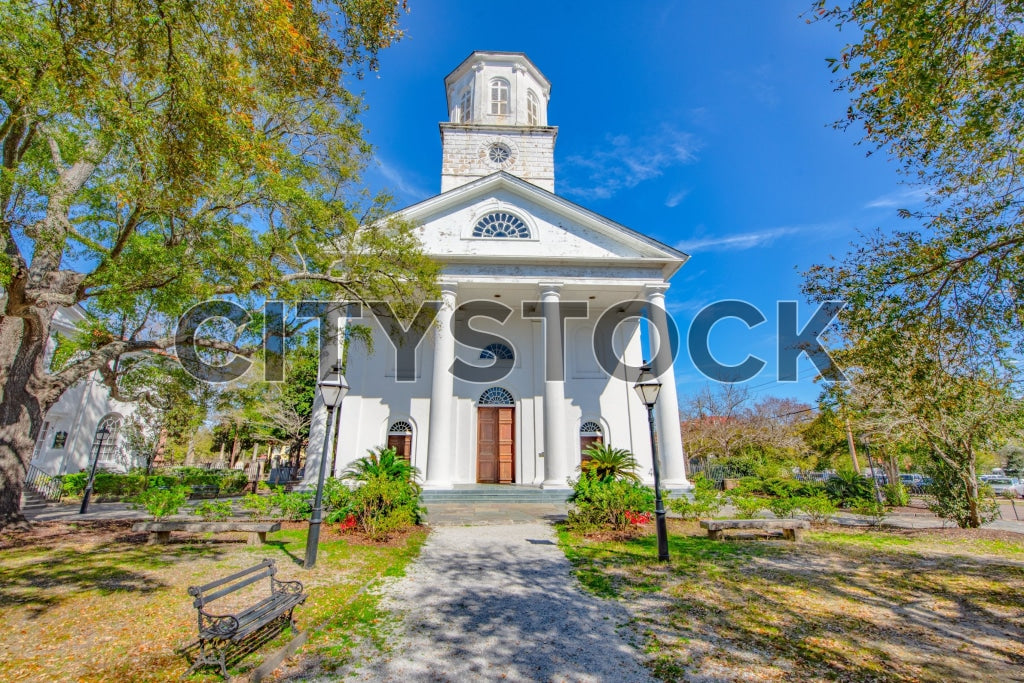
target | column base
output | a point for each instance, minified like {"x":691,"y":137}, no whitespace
{"x":555,"y":485}
{"x":677,"y":484}
{"x":438,"y":486}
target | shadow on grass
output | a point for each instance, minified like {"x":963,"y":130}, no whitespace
{"x":813,"y":609}
{"x":62,"y":573}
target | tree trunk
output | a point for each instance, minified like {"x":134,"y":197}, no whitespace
{"x":26,"y":398}
{"x":236,"y":448}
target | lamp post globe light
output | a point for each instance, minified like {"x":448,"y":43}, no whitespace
{"x":333,"y":388}
{"x":102,"y":433}
{"x":647,"y":388}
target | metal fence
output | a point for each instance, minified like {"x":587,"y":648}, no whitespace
{"x":43,"y":484}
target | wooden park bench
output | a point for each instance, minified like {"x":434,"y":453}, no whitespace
{"x":792,"y":529}
{"x":220,"y":632}
{"x":160,"y":532}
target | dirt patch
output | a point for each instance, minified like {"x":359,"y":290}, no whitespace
{"x":52,"y":534}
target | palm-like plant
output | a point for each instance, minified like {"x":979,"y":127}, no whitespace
{"x":604,"y":462}
{"x":382,"y":463}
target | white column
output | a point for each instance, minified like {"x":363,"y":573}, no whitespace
{"x":330,"y":353}
{"x":556,"y":452}
{"x":442,"y":396}
{"x":666,"y":410}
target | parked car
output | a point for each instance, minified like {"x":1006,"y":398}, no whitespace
{"x":915,"y":483}
{"x":1007,"y":486}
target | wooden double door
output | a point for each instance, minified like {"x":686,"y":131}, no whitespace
{"x":496,"y":445}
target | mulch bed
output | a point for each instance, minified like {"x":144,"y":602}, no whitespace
{"x":49,"y":534}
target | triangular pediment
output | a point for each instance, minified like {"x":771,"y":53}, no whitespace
{"x":559,"y":231}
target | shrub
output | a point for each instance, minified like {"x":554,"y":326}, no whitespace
{"x":381,"y":462}
{"x":162,"y":503}
{"x":849,"y":487}
{"x":949,"y":499}
{"x":819,"y":508}
{"x":257,"y":506}
{"x":870,"y":507}
{"x":293,"y":506}
{"x":338,"y":501}
{"x":604,"y":462}
{"x":383,"y":506}
{"x":707,"y":500}
{"x":74,"y":484}
{"x":233,"y":481}
{"x":214,"y":510}
{"x":603,"y":503}
{"x":896,"y":495}
{"x":747,"y":507}
{"x":782,"y":507}
{"x":780,"y":487}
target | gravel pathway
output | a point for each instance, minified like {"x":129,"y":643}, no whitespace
{"x":499,"y":603}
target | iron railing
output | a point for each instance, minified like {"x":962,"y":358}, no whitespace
{"x":43,"y":484}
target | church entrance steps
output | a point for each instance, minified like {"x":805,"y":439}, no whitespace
{"x":495,"y":494}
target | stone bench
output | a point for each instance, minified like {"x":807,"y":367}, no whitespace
{"x":160,"y":532}
{"x":792,"y":529}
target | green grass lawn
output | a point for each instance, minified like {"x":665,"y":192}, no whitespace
{"x":94,"y":603}
{"x":936,"y":605}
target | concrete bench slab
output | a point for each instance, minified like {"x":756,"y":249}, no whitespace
{"x":792,"y":529}
{"x":160,"y":532}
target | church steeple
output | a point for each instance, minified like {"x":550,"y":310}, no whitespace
{"x":498,"y":115}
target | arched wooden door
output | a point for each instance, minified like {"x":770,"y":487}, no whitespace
{"x":496,"y":437}
{"x":400,"y":438}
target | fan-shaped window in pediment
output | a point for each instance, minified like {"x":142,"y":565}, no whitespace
{"x":501,"y":225}
{"x":497,"y":352}
{"x":496,"y":396}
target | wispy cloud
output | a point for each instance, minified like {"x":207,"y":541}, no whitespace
{"x":738,"y":242}
{"x":674,"y":199}
{"x":623,"y":162}
{"x":757,"y":83}
{"x":902,"y":199}
{"x":402,"y":181}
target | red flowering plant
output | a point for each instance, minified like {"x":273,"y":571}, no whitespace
{"x":348,"y":523}
{"x":638,"y":518}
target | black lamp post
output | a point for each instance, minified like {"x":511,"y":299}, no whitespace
{"x":102,"y":432}
{"x":333,"y":388}
{"x":648,"y":387}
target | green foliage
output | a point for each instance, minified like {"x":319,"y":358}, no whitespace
{"x":707,"y":500}
{"x":381,"y":462}
{"x":293,"y":506}
{"x":383,"y":505}
{"x":233,"y":482}
{"x":780,"y":487}
{"x":601,"y":503}
{"x":213,"y":510}
{"x":819,"y":508}
{"x":783,"y":507}
{"x":950,"y":497}
{"x":257,"y":506}
{"x":747,"y":507}
{"x":74,"y":484}
{"x":870,"y":507}
{"x":162,"y":503}
{"x":848,"y":486}
{"x":338,"y":500}
{"x":604,"y":462}
{"x":895,"y":495}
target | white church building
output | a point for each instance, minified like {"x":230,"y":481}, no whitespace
{"x":503,"y":234}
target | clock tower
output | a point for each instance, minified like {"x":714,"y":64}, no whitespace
{"x":498,"y":115}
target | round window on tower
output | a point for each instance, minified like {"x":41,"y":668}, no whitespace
{"x":498,"y":153}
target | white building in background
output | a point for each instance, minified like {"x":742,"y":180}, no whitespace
{"x":68,"y":440}
{"x":504,"y":236}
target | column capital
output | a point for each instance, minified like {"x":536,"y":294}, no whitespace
{"x":448,"y":287}
{"x":550,"y":288}
{"x":655,"y":290}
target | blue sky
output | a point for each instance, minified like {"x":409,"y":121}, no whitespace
{"x":712,"y":126}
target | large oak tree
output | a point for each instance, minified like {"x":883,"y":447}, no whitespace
{"x":154,"y":153}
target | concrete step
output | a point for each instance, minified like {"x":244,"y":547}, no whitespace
{"x":495,"y":494}
{"x":30,"y":500}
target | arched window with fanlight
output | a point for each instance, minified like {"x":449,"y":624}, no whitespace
{"x":499,"y":97}
{"x":400,"y":438}
{"x":590,"y":434}
{"x":105,"y":442}
{"x":498,"y":352}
